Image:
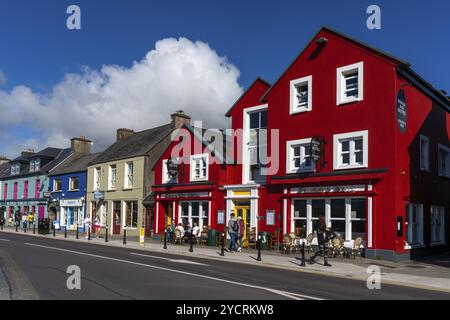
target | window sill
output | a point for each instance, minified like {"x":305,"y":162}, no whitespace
{"x":300,"y":171}
{"x":436,"y":244}
{"x":425,"y":170}
{"x":348,"y":101}
{"x":74,"y":190}
{"x":110,"y":190}
{"x":127,"y":188}
{"x":198,"y":180}
{"x":350,"y":167}
{"x":415,"y":246}
{"x":300,"y":110}
{"x":130,"y":228}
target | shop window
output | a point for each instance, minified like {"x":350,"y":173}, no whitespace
{"x":424,"y":153}
{"x":131,"y":214}
{"x":194,"y":212}
{"x":351,"y":150}
{"x":437,"y":225}
{"x":199,"y":167}
{"x":299,"y":217}
{"x":350,"y":83}
{"x":73,"y":184}
{"x":117,"y":208}
{"x":337,"y":216}
{"x":358,"y":216}
{"x":301,"y":95}
{"x":299,"y":156}
{"x":444,"y":161}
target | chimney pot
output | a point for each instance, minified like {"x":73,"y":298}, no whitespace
{"x":179,"y":118}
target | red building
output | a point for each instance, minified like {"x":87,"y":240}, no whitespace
{"x":348,"y":132}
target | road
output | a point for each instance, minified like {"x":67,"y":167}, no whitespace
{"x":36,"y":268}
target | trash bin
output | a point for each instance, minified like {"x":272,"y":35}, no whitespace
{"x":265,"y":238}
{"x":212,"y":237}
{"x":44,"y":226}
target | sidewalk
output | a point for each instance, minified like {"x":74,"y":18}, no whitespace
{"x":413,"y":274}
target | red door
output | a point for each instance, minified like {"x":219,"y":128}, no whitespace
{"x":116,"y":217}
{"x":41,"y":212}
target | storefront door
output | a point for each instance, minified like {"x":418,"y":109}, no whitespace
{"x":242,"y":209}
{"x":116,"y":217}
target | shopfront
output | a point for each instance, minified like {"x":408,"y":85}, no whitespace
{"x":71,"y":213}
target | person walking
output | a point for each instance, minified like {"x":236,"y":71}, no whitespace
{"x":87,"y":226}
{"x":24,"y":220}
{"x":233,"y":229}
{"x":17,"y":218}
{"x":241,"y":232}
{"x":322,"y":239}
{"x":30,"y":218}
{"x":97,"y":226}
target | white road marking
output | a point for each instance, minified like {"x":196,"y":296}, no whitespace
{"x":7,"y":240}
{"x":291,"y":295}
{"x":168,"y":259}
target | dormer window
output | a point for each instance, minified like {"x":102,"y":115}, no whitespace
{"x":15,"y":168}
{"x":35,"y":165}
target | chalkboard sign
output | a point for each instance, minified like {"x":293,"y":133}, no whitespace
{"x":402,"y":111}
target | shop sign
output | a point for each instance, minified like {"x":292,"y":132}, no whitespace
{"x":184,"y":195}
{"x":330,"y":189}
{"x":70,"y":203}
{"x":98,"y":195}
{"x":220,"y":217}
{"x":47,"y":194}
{"x":402,"y":111}
{"x":316,"y":148}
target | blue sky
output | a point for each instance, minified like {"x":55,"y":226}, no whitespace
{"x":260,"y":38}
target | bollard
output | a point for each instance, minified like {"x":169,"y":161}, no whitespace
{"x":124,"y":236}
{"x":1,"y":226}
{"x":34,"y":227}
{"x":65,"y":231}
{"x":54,"y":231}
{"x":165,"y":239}
{"x":24,"y":228}
{"x":89,"y":233}
{"x":222,"y":249}
{"x":17,"y":227}
{"x":191,"y":248}
{"x":258,"y":243}
{"x":106,"y":234}
{"x":77,"y":233}
{"x":303,"y":255}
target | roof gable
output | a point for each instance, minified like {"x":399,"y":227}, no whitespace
{"x":251,"y":96}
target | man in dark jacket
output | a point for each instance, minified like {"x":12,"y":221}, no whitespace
{"x":324,"y":235}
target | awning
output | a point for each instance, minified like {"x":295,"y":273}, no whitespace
{"x":149,"y":200}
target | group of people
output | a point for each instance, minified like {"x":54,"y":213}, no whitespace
{"x":26,"y":218}
{"x":236,"y":229}
{"x":185,"y":229}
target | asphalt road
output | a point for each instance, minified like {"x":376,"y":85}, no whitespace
{"x":36,"y":268}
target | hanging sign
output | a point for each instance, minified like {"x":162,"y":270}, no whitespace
{"x":316,"y":148}
{"x":402,"y":111}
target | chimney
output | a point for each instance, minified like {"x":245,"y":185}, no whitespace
{"x":81,"y":145}
{"x":3,"y":160}
{"x":124,"y":133}
{"x":27,"y":152}
{"x":179,"y":118}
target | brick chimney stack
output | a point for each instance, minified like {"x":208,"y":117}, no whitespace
{"x":81,"y":145}
{"x":3,"y":160}
{"x":27,"y":152}
{"x":124,"y":133}
{"x":179,"y":118}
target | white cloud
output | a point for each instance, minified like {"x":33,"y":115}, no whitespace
{"x":177,"y":74}
{"x":3,"y":79}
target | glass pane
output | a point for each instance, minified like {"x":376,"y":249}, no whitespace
{"x":359,"y":229}
{"x":338,"y":226}
{"x":254,"y":120}
{"x":337,"y":208}
{"x":195,"y":209}
{"x":299,"y":209}
{"x":359,"y":157}
{"x":264,"y":119}
{"x":346,"y":158}
{"x":135,"y":214}
{"x":358,"y":208}
{"x":296,"y":151}
{"x":184,"y":209}
{"x":358,"y":144}
{"x":345,"y":146}
{"x":318,"y":208}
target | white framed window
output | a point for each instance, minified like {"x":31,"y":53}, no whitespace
{"x":437,"y":224}
{"x":57,"y":185}
{"x":414,"y":220}
{"x":194,"y":212}
{"x":32,"y":166}
{"x":298,"y":156}
{"x":301,"y":95}
{"x":129,"y":175}
{"x":351,"y":150}
{"x":131,"y":214}
{"x":166,"y":178}
{"x":35,"y":165}
{"x":199,"y":167}
{"x":255,"y":144}
{"x":15,"y":168}
{"x":350,"y":83}
{"x":112,"y":177}
{"x":443,"y":161}
{"x":73,"y":184}
{"x":424,"y":153}
{"x":97,"y":175}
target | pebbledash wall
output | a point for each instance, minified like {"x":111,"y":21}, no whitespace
{"x":384,"y":167}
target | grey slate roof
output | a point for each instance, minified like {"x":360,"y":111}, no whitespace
{"x":138,"y":144}
{"x":76,"y":163}
{"x":55,"y":155}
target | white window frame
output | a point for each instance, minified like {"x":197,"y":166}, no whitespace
{"x":190,"y":216}
{"x":341,"y":86}
{"x":54,"y":185}
{"x":129,"y":178}
{"x":290,"y":154}
{"x":437,"y":220}
{"x":37,"y":165}
{"x":246,"y":141}
{"x":124,"y":215}
{"x":97,"y":173}
{"x":71,"y":179}
{"x":410,"y":226}
{"x":337,"y":141}
{"x":15,"y":168}
{"x":441,"y":148}
{"x":192,"y":162}
{"x":425,"y":161}
{"x":294,"y":107}
{"x":32,"y":166}
{"x":111,"y":185}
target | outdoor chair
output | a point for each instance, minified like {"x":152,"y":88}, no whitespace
{"x":295,"y":246}
{"x":177,"y":237}
{"x":204,"y":236}
{"x":251,"y":238}
{"x":337,"y":247}
{"x":286,"y":246}
{"x":357,"y":247}
{"x":275,"y":240}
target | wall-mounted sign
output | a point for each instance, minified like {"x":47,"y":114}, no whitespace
{"x":402,"y":111}
{"x":98,"y":195}
{"x":220,"y":217}
{"x":316,"y":148}
{"x":330,"y":189}
{"x":270,"y":217}
{"x":47,"y":194}
{"x":70,"y":203}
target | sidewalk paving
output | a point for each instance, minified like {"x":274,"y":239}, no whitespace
{"x":412,"y":273}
